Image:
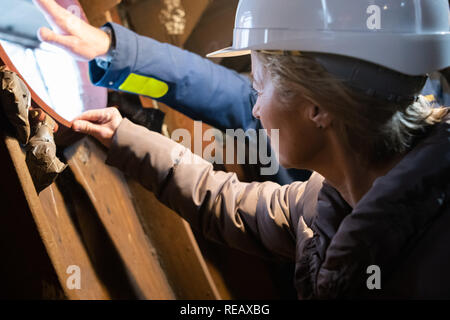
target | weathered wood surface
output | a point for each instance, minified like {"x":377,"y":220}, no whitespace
{"x":88,"y":219}
{"x":214,"y":30}
{"x":107,"y":190}
{"x":145,"y":19}
{"x":99,"y":12}
{"x":177,"y":248}
{"x":56,"y":230}
{"x":70,"y":247}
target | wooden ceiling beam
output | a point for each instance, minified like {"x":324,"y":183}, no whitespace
{"x":98,"y":12}
{"x":147,"y":18}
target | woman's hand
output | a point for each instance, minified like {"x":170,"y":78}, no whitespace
{"x":71,"y":33}
{"x":101,"y":124}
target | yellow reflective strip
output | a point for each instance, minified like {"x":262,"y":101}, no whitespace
{"x":146,"y":86}
{"x":430,"y":98}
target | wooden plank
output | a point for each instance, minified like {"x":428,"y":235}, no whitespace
{"x":145,"y":19}
{"x":214,"y":31}
{"x":110,"y":196}
{"x":180,"y":255}
{"x":97,"y":11}
{"x":70,"y":246}
{"x":57,"y":232}
{"x":219,"y":17}
{"x":27,"y":270}
{"x":209,"y":282}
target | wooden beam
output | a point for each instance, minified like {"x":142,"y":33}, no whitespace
{"x":58,"y":233}
{"x":98,"y":11}
{"x":145,"y":18}
{"x":179,"y":255}
{"x":111,"y":198}
{"x":70,"y":246}
{"x":214,"y":31}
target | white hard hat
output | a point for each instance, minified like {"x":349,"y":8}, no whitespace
{"x":409,"y":36}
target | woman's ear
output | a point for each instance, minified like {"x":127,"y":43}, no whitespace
{"x":320,"y":117}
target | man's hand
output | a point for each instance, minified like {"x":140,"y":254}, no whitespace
{"x":101,"y":124}
{"x":71,"y":33}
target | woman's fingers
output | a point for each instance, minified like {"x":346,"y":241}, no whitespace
{"x":101,"y":124}
{"x":99,"y":115}
{"x":87,"y":127}
{"x":105,"y":115}
{"x":102,"y":133}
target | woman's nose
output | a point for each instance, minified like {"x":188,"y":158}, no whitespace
{"x":256,"y":111}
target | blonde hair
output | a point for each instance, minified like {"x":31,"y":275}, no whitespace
{"x":373,"y":128}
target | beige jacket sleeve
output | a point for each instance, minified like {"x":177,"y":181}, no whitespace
{"x":257,"y":218}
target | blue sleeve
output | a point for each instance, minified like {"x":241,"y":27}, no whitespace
{"x":198,"y":88}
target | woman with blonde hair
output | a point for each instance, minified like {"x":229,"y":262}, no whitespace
{"x":341,"y":81}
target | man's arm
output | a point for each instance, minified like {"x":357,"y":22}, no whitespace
{"x":185,"y":81}
{"x":194,"y":85}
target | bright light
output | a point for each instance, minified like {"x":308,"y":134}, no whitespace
{"x":53,"y":75}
